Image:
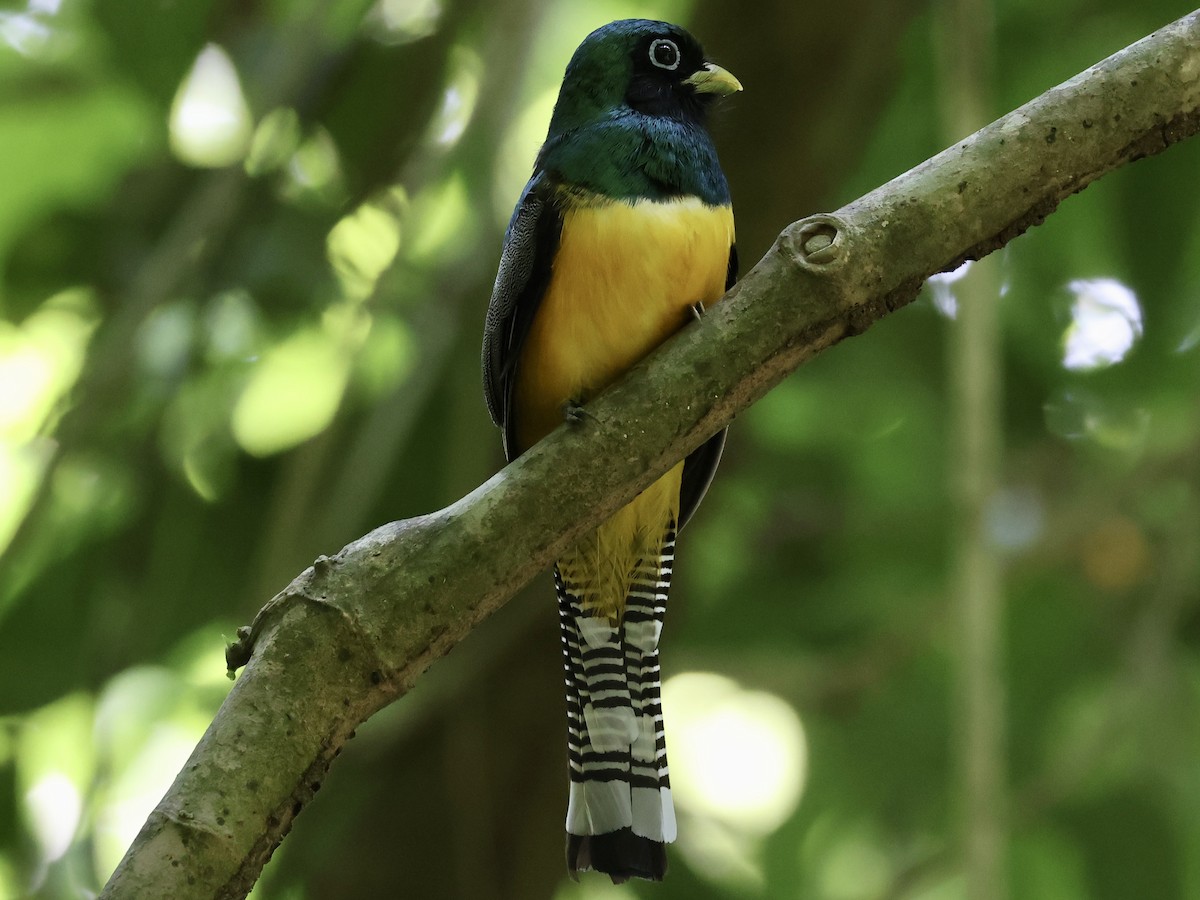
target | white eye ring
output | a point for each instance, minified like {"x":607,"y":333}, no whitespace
{"x":660,"y":43}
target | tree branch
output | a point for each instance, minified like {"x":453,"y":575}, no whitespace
{"x":355,"y":631}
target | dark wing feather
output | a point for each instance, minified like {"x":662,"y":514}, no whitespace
{"x":530,"y":244}
{"x":701,"y":465}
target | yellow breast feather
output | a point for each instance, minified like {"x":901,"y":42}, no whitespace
{"x":623,"y":279}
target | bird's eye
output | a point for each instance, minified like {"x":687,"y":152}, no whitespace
{"x":664,"y":54}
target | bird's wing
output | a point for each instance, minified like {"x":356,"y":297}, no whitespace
{"x":530,"y":244}
{"x":701,"y":465}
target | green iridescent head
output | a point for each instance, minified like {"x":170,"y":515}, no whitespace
{"x":653,"y":68}
{"x":631,"y":115}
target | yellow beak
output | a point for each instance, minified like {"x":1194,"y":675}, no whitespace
{"x":712,"y":79}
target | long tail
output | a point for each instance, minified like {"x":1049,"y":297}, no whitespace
{"x":620,"y":812}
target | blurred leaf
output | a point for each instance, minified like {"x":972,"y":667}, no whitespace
{"x":292,"y":393}
{"x":71,"y":147}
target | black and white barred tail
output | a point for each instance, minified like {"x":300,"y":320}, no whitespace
{"x":620,"y":812}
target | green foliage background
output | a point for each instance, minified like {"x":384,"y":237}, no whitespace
{"x":210,"y":375}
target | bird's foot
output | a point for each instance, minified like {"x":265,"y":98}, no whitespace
{"x":575,"y":413}
{"x":697,"y":310}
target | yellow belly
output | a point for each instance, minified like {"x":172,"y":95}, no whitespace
{"x":624,"y":278}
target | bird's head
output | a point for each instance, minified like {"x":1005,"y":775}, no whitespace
{"x":650,"y":67}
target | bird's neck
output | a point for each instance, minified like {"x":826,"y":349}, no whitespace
{"x":629,"y":156}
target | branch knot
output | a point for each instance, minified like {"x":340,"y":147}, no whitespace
{"x":817,"y":242}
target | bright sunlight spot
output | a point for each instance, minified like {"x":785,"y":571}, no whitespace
{"x":363,"y":244}
{"x":458,"y":102}
{"x":1106,"y":321}
{"x":54,"y":759}
{"x":40,"y":360}
{"x":402,"y":21}
{"x":25,"y":379}
{"x":210,"y":121}
{"x":53,"y":806}
{"x":941,"y":286}
{"x":31,"y":32}
{"x":20,"y":472}
{"x":293,"y":394}
{"x":24,"y":33}
{"x":738,"y":756}
{"x":723,"y":854}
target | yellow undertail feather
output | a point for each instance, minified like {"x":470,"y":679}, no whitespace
{"x":601,"y":566}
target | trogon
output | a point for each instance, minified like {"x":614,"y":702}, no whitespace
{"x":622,"y":235}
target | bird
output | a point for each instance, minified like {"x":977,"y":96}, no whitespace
{"x":622,"y":236}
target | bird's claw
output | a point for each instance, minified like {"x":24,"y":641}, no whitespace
{"x":697,"y":310}
{"x":575,"y":413}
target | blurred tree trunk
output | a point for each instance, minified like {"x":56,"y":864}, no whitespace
{"x":964,"y":42}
